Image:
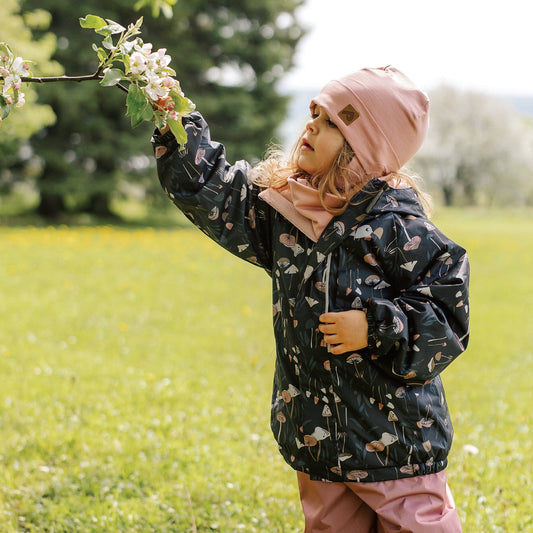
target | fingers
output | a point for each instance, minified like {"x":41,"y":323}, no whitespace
{"x":327,"y":328}
{"x":328,"y":318}
{"x":338,"y":349}
{"x":331,"y":339}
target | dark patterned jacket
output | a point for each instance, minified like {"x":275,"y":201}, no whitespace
{"x":372,"y":415}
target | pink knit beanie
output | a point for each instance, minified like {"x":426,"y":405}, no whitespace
{"x":383,"y":116}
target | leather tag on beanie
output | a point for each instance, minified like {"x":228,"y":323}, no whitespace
{"x":348,"y":114}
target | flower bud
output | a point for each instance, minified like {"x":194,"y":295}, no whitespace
{"x":169,"y":82}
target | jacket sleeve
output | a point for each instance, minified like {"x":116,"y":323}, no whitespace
{"x":416,"y":335}
{"x":217,"y":197}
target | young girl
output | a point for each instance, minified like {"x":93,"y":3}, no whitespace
{"x":370,"y":299}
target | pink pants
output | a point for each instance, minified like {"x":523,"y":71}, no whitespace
{"x":422,"y":504}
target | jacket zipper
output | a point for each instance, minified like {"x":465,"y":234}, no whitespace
{"x":325,"y":280}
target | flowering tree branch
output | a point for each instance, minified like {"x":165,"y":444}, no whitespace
{"x":129,"y":64}
{"x":50,"y":79}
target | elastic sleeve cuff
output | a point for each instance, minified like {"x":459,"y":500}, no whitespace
{"x":372,"y":329}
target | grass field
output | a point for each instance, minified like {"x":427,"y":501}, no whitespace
{"x":136,"y":369}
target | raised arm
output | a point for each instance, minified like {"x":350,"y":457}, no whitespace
{"x":217,"y":197}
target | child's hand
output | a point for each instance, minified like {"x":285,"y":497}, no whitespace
{"x":345,"y":331}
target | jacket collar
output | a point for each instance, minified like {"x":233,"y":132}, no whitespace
{"x":341,"y":227}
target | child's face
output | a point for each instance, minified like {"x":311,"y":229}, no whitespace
{"x":321,"y":143}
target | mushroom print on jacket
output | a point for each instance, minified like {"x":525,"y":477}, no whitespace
{"x":376,"y":414}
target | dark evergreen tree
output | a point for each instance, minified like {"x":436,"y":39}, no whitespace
{"x":228,"y":58}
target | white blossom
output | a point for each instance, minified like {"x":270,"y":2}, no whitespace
{"x":150,"y":71}
{"x":155,"y":89}
{"x":18,"y":67}
{"x":12,"y":81}
{"x":11,"y":72}
{"x":145,"y":49}
{"x":21,"y":100}
{"x":169,"y":82}
{"x":137,"y":63}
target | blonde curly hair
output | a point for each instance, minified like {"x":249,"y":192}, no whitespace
{"x":279,"y":165}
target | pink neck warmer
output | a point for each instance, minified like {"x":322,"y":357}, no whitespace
{"x":300,"y":203}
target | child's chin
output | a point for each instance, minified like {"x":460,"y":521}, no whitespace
{"x":304,"y":167}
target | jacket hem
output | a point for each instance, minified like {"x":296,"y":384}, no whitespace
{"x":378,"y":474}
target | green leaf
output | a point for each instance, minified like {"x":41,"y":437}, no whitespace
{"x":139,"y":5}
{"x":92,"y":22}
{"x":176,"y":127}
{"x":5,"y":50}
{"x":167,"y":11}
{"x":148,"y":112}
{"x":126,"y":61}
{"x":138,"y":108}
{"x":184,"y":106}
{"x":134,"y":29}
{"x":5,"y":108}
{"x":112,"y":28}
{"x":111,"y":77}
{"x":135,"y":99}
{"x":101,"y":26}
{"x":157,"y":6}
{"x":108,"y":43}
{"x":102,"y":55}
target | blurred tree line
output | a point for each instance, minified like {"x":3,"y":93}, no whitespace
{"x":76,"y":145}
{"x":479,"y":150}
{"x":73,"y":144}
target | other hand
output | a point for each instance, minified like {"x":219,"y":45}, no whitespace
{"x":344,"y":331}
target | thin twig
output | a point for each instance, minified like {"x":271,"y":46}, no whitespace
{"x":123,"y":88}
{"x":49,"y":79}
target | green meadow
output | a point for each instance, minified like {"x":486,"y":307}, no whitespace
{"x":136,"y":369}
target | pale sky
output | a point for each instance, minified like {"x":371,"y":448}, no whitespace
{"x":471,"y":44}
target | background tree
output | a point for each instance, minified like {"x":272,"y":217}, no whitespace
{"x":478,"y":149}
{"x":228,"y":60}
{"x":17,"y":31}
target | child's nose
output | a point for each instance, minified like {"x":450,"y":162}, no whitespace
{"x":311,"y":125}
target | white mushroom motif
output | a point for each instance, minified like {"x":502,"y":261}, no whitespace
{"x":290,"y":393}
{"x":388,"y":438}
{"x":317,"y":435}
{"x":363,"y":232}
{"x":379,"y":445}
